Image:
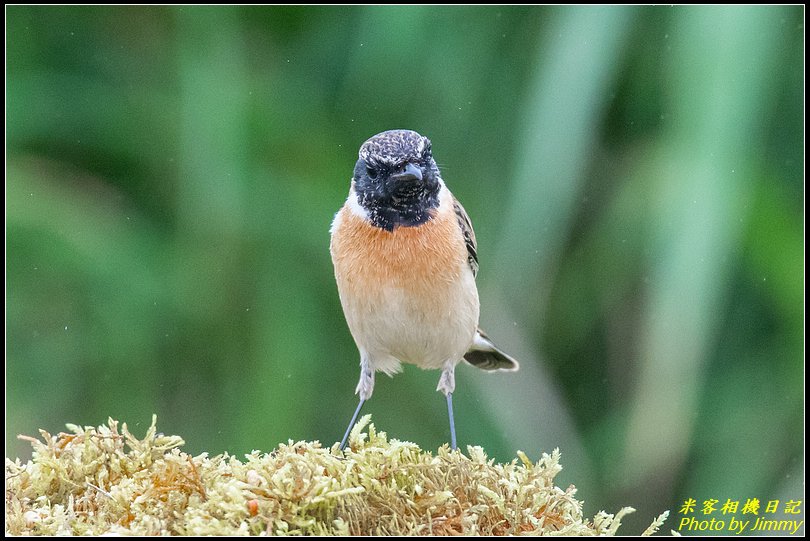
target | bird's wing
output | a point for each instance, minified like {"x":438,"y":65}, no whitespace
{"x":469,"y":235}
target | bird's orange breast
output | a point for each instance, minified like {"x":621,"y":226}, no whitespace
{"x":421,"y":259}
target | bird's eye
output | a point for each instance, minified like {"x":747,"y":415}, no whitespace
{"x":372,"y":172}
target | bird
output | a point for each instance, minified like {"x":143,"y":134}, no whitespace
{"x":405,"y":260}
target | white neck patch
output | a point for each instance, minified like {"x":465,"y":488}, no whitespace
{"x":354,"y":205}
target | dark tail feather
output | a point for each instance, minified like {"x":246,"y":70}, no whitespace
{"x":486,"y":355}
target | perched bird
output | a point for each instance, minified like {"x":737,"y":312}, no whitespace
{"x":405,"y":262}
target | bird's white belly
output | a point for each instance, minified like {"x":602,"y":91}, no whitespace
{"x":396,"y":325}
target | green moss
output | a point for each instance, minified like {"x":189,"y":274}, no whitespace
{"x":104,"y":480}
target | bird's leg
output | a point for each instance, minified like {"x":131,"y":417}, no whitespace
{"x":351,"y":424}
{"x":452,"y":421}
{"x":364,"y":388}
{"x":447,"y":384}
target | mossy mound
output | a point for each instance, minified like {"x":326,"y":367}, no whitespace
{"x":104,"y":480}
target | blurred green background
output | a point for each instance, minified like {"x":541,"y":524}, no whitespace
{"x":635,"y":177}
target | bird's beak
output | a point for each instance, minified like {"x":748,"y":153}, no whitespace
{"x":408,"y":173}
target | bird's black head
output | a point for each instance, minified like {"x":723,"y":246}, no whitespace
{"x":396,"y":179}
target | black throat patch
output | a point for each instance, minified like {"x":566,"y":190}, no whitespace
{"x":403,"y":208}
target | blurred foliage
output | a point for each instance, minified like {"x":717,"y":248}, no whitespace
{"x":635,"y":176}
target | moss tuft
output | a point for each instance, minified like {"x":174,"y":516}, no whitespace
{"x":105,"y":481}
